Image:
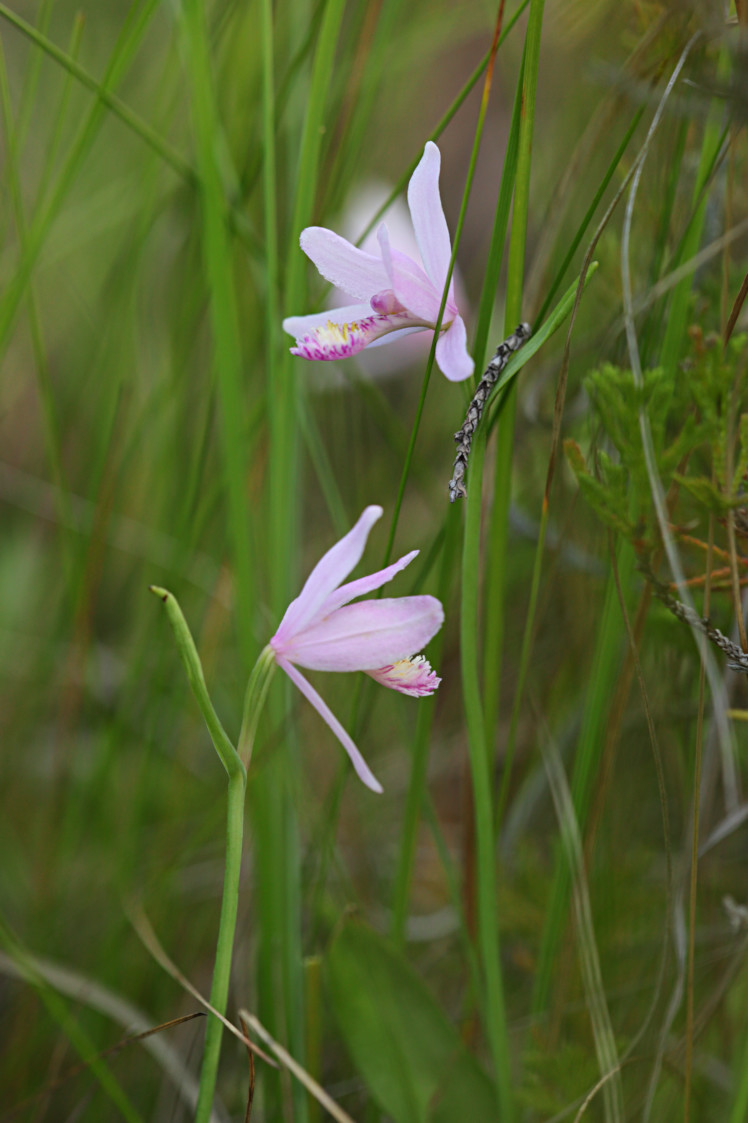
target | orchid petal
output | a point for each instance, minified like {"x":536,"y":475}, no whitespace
{"x":410,"y":285}
{"x":349,"y":268}
{"x":365,"y":584}
{"x":332,"y":568}
{"x":366,"y":635}
{"x":427,"y":213}
{"x":452,"y":353}
{"x":362,"y":769}
{"x":395,"y":335}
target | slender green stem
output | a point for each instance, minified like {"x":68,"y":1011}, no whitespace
{"x":524,"y":663}
{"x":584,"y":224}
{"x":488,"y":929}
{"x":257,"y":686}
{"x":519,"y":149}
{"x":437,"y":328}
{"x":441,"y":125}
{"x":424,"y":722}
{"x":479,"y":736}
{"x":219,"y":990}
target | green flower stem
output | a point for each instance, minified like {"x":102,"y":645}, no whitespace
{"x":236,"y":770}
{"x":219,"y":990}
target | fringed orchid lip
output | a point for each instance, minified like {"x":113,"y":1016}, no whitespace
{"x":334,"y":340}
{"x":322,"y":630}
{"x":395,"y":290}
{"x":410,"y":676}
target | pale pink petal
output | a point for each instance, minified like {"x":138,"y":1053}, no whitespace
{"x":327,"y":574}
{"x":349,"y":268}
{"x":365,"y":584}
{"x":415,"y":291}
{"x":410,"y":285}
{"x":362,"y":769}
{"x":366,"y":635}
{"x":429,"y":223}
{"x":452,"y":354}
{"x":395,"y":335}
{"x":410,"y":676}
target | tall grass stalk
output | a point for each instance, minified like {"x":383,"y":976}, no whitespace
{"x":479,"y":737}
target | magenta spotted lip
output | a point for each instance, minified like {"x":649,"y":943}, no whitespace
{"x":398,"y":294}
{"x":321,"y":630}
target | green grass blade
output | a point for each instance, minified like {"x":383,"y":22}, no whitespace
{"x":227,"y":351}
{"x":604,"y":664}
{"x":103,"y":93}
{"x":128,"y":42}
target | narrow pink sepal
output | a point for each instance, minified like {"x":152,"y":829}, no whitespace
{"x":363,"y":585}
{"x":349,"y":268}
{"x":452,"y":354}
{"x":332,"y":568}
{"x":429,"y":222}
{"x":366,"y":635}
{"x":363,"y":771}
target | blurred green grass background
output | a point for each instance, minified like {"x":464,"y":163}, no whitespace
{"x":154,"y":429}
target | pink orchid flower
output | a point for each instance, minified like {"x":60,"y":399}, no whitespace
{"x":400,"y":294}
{"x":321,"y":630}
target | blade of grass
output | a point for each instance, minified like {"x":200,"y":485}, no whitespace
{"x":479,"y":737}
{"x":44,"y":385}
{"x":670,"y":352}
{"x":129,"y":39}
{"x":446,"y":118}
{"x":280,"y":966}
{"x":104,"y":95}
{"x":59,"y":1010}
{"x":497,"y":531}
{"x":424,"y":723}
{"x":224,"y":318}
{"x":31,"y":78}
{"x":584,"y":224}
{"x":602,"y":1029}
{"x":604,"y":663}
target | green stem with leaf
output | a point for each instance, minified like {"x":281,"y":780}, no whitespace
{"x":236,"y":771}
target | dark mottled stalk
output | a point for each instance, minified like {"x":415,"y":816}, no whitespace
{"x":465,"y":435}
{"x":738,"y":658}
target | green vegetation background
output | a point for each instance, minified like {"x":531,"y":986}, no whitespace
{"x":158,"y":163}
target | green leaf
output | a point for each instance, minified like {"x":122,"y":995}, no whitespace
{"x":412,"y":1059}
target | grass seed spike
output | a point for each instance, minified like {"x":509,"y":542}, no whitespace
{"x":464,"y":437}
